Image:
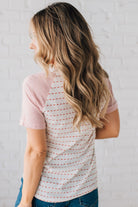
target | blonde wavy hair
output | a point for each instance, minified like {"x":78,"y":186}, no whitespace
{"x":64,"y":35}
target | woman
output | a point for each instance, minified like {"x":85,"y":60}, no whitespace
{"x":65,"y":108}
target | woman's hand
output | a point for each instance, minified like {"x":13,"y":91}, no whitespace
{"x":24,"y":205}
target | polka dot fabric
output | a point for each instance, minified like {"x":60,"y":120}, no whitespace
{"x":70,"y":165}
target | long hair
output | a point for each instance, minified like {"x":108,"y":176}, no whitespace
{"x":64,"y":35}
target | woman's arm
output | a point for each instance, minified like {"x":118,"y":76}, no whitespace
{"x":110,"y":129}
{"x":33,"y":165}
{"x":34,"y":157}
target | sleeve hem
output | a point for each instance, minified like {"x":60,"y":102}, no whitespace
{"x":112,"y":108}
{"x":21,"y":123}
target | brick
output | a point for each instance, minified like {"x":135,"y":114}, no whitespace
{"x":16,"y":5}
{"x":9,"y":15}
{"x":10,"y":39}
{"x":4,"y":26}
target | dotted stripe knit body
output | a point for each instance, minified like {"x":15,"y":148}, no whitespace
{"x":70,"y":166}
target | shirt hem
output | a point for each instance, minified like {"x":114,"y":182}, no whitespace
{"x":71,"y":198}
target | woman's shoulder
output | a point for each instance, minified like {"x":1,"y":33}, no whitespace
{"x":38,"y":86}
{"x":37,"y":80}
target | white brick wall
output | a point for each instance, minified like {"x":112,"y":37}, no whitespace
{"x":115,"y":31}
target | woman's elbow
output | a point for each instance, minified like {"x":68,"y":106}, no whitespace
{"x":117,"y":127}
{"x":117,"y":132}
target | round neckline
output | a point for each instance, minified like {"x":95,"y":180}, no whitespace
{"x":53,"y":74}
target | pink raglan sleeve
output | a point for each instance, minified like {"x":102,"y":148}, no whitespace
{"x":113,"y":105}
{"x":31,"y":111}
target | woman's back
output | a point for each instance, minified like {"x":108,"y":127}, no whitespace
{"x":70,"y":165}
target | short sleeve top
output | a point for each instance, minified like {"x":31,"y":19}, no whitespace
{"x":35,"y":90}
{"x":69,"y":169}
